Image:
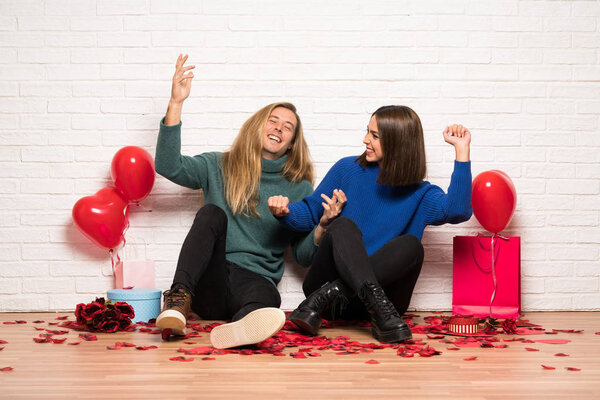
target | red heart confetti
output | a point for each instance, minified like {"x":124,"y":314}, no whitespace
{"x":74,"y":343}
{"x":547,"y":367}
{"x":572,"y":369}
{"x":207,"y":358}
{"x":59,"y":341}
{"x":88,"y":337}
{"x":568,"y":330}
{"x":6,"y":369}
{"x":372,"y":362}
{"x":146,"y":347}
{"x":473,"y":358}
{"x":179,"y":358}
{"x":561,"y":355}
{"x":3,"y":342}
{"x":531,"y":349}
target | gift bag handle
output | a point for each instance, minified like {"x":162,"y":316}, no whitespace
{"x":484,"y":247}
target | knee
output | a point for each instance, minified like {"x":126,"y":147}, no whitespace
{"x":344,"y":225}
{"x":211,"y":215}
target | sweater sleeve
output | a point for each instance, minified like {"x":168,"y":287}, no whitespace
{"x":191,"y":172}
{"x":303,"y":245}
{"x":455,"y":206}
{"x":305,"y":214}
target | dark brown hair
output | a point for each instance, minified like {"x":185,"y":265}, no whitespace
{"x":402,"y":144}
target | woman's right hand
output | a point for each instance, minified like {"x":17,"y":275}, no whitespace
{"x":278,"y":205}
{"x":182,"y":82}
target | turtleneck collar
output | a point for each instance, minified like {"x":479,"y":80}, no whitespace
{"x":273,"y":165}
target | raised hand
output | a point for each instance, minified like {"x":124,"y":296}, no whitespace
{"x":182,"y":80}
{"x":278,"y":205}
{"x":180,"y":90}
{"x":459,"y":137}
{"x":332,"y":207}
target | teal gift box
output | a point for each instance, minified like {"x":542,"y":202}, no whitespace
{"x":145,"y":302}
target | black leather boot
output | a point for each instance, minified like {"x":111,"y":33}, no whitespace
{"x":386,"y":325}
{"x":307,"y":316}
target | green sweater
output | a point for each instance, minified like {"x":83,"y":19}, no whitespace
{"x":255,"y":243}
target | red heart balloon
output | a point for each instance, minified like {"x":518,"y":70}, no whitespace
{"x":102,"y":217}
{"x":132,"y":171}
{"x":494,"y":200}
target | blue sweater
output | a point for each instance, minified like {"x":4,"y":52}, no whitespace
{"x":384,"y":212}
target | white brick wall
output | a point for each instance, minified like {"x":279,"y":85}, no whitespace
{"x":81,"y":79}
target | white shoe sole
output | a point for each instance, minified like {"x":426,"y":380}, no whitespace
{"x":255,"y":327}
{"x":171,"y":319}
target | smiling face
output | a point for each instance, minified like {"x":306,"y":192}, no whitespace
{"x":279,"y":133}
{"x":374,"y":152}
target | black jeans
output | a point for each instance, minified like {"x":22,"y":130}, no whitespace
{"x":220,"y":289}
{"x":342,"y":255}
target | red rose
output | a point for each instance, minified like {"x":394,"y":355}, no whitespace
{"x":109,"y":326}
{"x":79,"y":314}
{"x":125,"y":309}
{"x":124,"y":323}
{"x":509,"y":325}
{"x":111,"y":314}
{"x":91,"y":310}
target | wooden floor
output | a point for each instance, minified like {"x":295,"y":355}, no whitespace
{"x":91,"y":371}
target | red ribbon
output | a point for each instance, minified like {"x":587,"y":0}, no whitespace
{"x":492,"y":267}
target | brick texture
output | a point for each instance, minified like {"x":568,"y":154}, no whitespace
{"x":79,"y":80}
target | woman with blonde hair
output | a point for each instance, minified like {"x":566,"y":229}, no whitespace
{"x":232,"y":257}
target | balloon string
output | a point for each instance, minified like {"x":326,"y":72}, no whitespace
{"x":493,"y":275}
{"x":494,"y":255}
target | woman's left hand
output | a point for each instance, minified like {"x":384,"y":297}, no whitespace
{"x":332,"y":207}
{"x":459,"y":137}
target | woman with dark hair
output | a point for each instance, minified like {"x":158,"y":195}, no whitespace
{"x":370,"y":252}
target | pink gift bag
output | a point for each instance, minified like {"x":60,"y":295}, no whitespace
{"x":484,"y":284}
{"x":133,"y":272}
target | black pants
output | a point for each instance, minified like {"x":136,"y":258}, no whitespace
{"x":342,"y":255}
{"x":220,"y":289}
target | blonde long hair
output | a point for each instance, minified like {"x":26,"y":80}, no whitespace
{"x":242,"y":163}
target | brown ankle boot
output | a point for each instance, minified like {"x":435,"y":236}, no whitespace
{"x":175,"y":310}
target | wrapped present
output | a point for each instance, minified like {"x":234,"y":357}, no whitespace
{"x":145,"y":302}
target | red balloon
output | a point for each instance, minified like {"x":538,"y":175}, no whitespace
{"x":102,"y":217}
{"x":494,"y":200}
{"x":132,"y":171}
